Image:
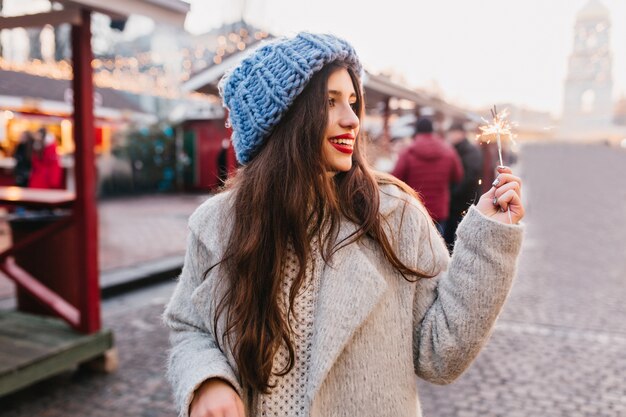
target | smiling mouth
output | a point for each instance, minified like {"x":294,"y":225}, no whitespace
{"x":343,"y":145}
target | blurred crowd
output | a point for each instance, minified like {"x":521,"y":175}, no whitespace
{"x":37,"y":163}
{"x":448,"y":171}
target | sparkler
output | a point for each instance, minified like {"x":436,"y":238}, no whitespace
{"x":500,"y":129}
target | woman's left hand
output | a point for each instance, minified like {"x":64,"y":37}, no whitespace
{"x":503,"y":196}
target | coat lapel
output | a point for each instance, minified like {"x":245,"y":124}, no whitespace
{"x":350,"y":289}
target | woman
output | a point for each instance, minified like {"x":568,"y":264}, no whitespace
{"x":313,"y":285}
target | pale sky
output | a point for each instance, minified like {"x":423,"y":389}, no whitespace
{"x":479,"y":52}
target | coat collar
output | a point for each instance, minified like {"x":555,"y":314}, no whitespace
{"x":350,"y":289}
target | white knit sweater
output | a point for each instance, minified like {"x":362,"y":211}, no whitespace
{"x":286,"y":398}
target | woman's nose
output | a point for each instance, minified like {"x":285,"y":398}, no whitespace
{"x":349,"y":119}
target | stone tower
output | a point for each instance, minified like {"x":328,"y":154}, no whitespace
{"x":588,"y":104}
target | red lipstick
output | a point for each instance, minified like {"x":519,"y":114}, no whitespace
{"x":343,"y":148}
{"x":344,"y":136}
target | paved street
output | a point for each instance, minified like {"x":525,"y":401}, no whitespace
{"x":135,"y":231}
{"x":558,"y":348}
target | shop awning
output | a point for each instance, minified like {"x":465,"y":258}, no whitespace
{"x":377,"y":88}
{"x":172,"y":12}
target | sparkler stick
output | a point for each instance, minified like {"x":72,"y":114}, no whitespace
{"x":499,"y":128}
{"x":494,"y":113}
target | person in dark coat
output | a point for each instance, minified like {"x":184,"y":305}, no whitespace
{"x":22,"y":156}
{"x":464,"y":193}
{"x":430,"y":166}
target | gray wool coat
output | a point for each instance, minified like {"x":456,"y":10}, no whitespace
{"x":374,"y":330}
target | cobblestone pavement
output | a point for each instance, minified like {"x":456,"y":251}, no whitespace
{"x":558,"y":348}
{"x":559,"y":345}
{"x":140,"y":229}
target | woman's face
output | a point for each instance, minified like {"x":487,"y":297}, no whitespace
{"x":343,"y":123}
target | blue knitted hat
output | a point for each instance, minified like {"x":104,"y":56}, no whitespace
{"x":262,"y":88}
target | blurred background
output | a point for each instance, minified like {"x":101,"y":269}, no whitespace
{"x":555,"y":65}
{"x":162,"y":146}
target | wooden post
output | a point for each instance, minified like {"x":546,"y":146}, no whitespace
{"x":85,"y":210}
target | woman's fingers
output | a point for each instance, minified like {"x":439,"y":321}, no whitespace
{"x":503,"y":169}
{"x":504,"y":178}
{"x":216,"y":398}
{"x":234,"y":412}
{"x":511,"y":200}
{"x":240,"y":408}
{"x":515,"y":186}
{"x":505,"y":195}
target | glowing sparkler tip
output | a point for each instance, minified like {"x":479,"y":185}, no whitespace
{"x":498,"y":128}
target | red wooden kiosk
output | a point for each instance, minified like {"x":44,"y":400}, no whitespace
{"x":207,"y":142}
{"x":54,"y":259}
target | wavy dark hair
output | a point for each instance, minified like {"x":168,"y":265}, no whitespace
{"x":283,"y":198}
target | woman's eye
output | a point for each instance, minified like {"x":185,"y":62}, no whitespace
{"x":355,"y":106}
{"x":331,"y":102}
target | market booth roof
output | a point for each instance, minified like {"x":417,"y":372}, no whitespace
{"x":33,"y":87}
{"x":377,"y":88}
{"x":171,"y":12}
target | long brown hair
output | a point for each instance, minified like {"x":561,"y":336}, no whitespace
{"x":284,"y":201}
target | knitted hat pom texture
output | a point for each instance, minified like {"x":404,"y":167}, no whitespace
{"x":260,"y":90}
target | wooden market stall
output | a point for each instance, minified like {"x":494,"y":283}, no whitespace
{"x":54,"y":258}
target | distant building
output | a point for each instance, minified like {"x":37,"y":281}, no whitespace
{"x":619,"y":113}
{"x":588,"y":101}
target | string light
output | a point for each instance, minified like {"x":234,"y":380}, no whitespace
{"x":143,"y":73}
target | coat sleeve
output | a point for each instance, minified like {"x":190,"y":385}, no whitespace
{"x":454,"y":312}
{"x":194,"y":356}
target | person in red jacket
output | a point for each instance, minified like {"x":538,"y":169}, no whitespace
{"x":430,"y":166}
{"x":46,"y":169}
